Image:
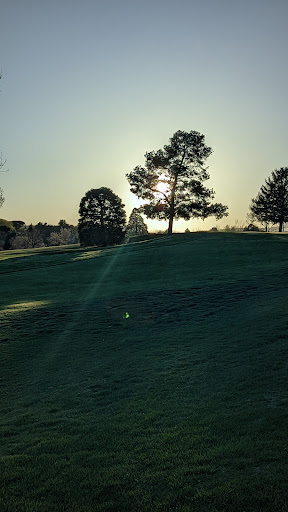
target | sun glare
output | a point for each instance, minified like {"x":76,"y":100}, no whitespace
{"x":136,"y":201}
{"x":162,"y":186}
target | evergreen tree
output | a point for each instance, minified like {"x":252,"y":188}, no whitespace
{"x":136,"y":224}
{"x":271,"y":203}
{"x":102,"y":218}
{"x":172,"y":181}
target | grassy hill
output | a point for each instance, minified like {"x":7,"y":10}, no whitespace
{"x":182,"y":406}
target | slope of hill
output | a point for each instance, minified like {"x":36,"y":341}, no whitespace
{"x":146,"y":377}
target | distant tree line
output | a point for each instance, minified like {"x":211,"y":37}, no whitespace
{"x":16,"y":235}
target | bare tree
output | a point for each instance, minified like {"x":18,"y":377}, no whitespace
{"x":2,"y":164}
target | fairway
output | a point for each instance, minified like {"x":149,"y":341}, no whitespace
{"x":181,"y":405}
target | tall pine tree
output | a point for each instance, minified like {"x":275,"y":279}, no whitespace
{"x":172,"y":181}
{"x":271,"y":203}
{"x":136,"y":224}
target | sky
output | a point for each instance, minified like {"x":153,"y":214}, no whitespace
{"x":90,"y":86}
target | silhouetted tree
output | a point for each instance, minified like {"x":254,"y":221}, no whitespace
{"x":136,"y":224}
{"x":172,"y":181}
{"x":63,"y":224}
{"x":42,"y":234}
{"x":28,"y":238}
{"x":18,"y":224}
{"x":45,"y":230}
{"x":102,"y":218}
{"x":1,"y":197}
{"x":2,"y":163}
{"x":251,"y":227}
{"x":271,"y":203}
{"x":34,"y":236}
{"x":7,"y":233}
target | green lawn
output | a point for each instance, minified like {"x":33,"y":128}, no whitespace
{"x":181,"y":407}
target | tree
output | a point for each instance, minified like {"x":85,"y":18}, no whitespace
{"x":18,"y":224}
{"x":63,"y":224}
{"x":2,"y":163}
{"x":66,"y":236}
{"x":28,"y":237}
{"x":172,"y":181}
{"x":7,"y":233}
{"x":259,"y":209}
{"x":271,"y":203}
{"x":102,"y":218}
{"x":251,"y":227}
{"x":34,"y":237}
{"x":136,"y":224}
{"x":45,"y":230}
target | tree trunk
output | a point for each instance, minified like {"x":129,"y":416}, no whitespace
{"x":280,"y":226}
{"x":170,"y":226}
{"x":103,"y":231}
{"x":172,"y":207}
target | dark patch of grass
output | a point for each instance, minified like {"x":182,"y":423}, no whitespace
{"x":180,"y":407}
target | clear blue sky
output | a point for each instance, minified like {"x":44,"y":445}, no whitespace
{"x":89,"y":86}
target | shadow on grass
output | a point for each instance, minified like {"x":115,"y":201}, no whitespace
{"x":181,"y":406}
{"x":109,"y":413}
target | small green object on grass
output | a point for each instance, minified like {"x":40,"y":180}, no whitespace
{"x":126,"y":315}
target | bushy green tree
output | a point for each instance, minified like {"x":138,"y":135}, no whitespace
{"x":271,"y":203}
{"x":136,"y":224}
{"x":172,"y":181}
{"x":102,"y":218}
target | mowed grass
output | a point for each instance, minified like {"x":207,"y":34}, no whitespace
{"x":182,"y":407}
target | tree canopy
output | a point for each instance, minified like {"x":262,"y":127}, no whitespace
{"x":172,"y":180}
{"x":271,"y":202}
{"x":7,"y":233}
{"x":102,"y":218}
